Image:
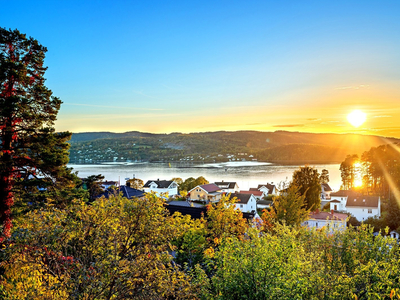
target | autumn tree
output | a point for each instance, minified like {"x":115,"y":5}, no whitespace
{"x":30,"y":149}
{"x":307,"y":180}
{"x":288,"y":208}
{"x":135,"y":183}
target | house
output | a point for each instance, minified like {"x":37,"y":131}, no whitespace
{"x":107,"y":184}
{"x":206,"y":192}
{"x":126,"y":191}
{"x":263,"y":204}
{"x":339,"y":199}
{"x":161,"y":187}
{"x":258,"y":194}
{"x":363,"y":207}
{"x":331,"y":220}
{"x":325,"y":192}
{"x":267,"y":189}
{"x":228,"y":187}
{"x":246,"y":202}
{"x":394,"y":234}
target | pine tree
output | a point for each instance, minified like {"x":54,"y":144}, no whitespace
{"x":30,"y":149}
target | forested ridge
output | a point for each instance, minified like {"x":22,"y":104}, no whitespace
{"x":278,"y":146}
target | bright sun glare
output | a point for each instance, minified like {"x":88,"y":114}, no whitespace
{"x":356,"y":118}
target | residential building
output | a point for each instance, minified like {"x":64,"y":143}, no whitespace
{"x":206,"y":192}
{"x":161,"y":187}
{"x":246,"y":202}
{"x":256,"y":193}
{"x":267,"y":189}
{"x":339,"y":199}
{"x":228,"y":187}
{"x":331,"y":220}
{"x":325,"y":192}
{"x":363,"y":207}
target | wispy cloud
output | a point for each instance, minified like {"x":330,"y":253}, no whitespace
{"x":353,"y":87}
{"x":313,"y":119}
{"x":383,"y":116}
{"x":112,"y":106}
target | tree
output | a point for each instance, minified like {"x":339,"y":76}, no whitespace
{"x":348,"y":171}
{"x":307,"y":180}
{"x":288,"y":207}
{"x":30,"y":149}
{"x":135,"y":183}
{"x":94,"y":185}
{"x":324,"y":177}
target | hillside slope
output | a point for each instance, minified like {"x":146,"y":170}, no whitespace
{"x":279,"y":146}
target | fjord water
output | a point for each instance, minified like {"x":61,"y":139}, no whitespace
{"x":246,"y":174}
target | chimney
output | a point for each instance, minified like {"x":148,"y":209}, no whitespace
{"x":331,"y":211}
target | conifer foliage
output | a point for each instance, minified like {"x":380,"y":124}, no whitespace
{"x":29,"y":146}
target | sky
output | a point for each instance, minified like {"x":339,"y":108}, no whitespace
{"x":195,"y":66}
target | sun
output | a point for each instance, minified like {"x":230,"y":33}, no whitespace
{"x":356,"y":118}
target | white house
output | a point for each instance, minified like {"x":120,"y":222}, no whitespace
{"x":363,"y":207}
{"x":228,"y":187}
{"x":266,"y":189}
{"x":161,"y":187}
{"x":339,"y":199}
{"x":106,"y":184}
{"x":331,"y":220}
{"x":246,"y":202}
{"x":325,"y":191}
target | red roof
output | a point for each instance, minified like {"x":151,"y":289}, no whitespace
{"x":323,"y":215}
{"x":255,"y":193}
{"x":211,"y":187}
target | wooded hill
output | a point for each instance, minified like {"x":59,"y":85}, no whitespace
{"x":278,"y":146}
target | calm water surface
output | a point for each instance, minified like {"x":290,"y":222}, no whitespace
{"x":246,"y":174}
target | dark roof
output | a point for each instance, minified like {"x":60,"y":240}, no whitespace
{"x":364,"y":201}
{"x":197,"y":212}
{"x":265,"y":202}
{"x":185,"y":203}
{"x":345,"y":193}
{"x":253,"y":189}
{"x":326,"y":187}
{"x":323,"y":215}
{"x":335,"y":201}
{"x":161,"y":184}
{"x":269,"y":186}
{"x":211,"y":187}
{"x":226,"y":184}
{"x":126,"y":191}
{"x":109,"y":182}
{"x":242,"y":198}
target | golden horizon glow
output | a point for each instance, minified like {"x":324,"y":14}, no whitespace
{"x":357,"y":118}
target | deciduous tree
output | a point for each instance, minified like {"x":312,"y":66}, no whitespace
{"x":307,"y":180}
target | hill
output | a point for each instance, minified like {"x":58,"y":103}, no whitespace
{"x":278,"y":146}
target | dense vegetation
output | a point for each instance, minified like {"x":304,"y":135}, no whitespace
{"x":118,"y":249}
{"x":280,"y":146}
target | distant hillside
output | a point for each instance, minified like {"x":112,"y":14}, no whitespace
{"x":279,"y":146}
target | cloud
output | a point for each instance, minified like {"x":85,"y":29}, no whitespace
{"x":383,"y":116}
{"x":313,"y":119}
{"x":111,"y":106}
{"x":289,"y":125}
{"x":353,"y":87}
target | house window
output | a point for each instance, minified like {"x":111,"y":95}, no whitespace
{"x":316,"y":224}
{"x":370,"y":210}
{"x":241,"y":205}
